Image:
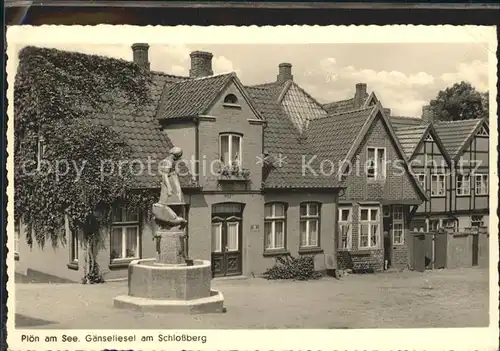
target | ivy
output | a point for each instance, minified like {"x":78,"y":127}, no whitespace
{"x":68,"y":100}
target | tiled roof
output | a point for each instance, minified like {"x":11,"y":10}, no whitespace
{"x":339,"y":106}
{"x":454,"y":134}
{"x":141,"y":131}
{"x":400,"y":121}
{"x":334,"y":135}
{"x":282,"y":138}
{"x":409,"y":137}
{"x":191,"y":97}
{"x":300,"y":106}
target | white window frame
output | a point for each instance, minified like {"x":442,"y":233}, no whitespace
{"x":228,"y":224}
{"x":308,"y":218}
{"x":273,"y":219}
{"x":219,"y":238}
{"x":435,"y":179}
{"x":429,"y":137}
{"x":423,"y":180}
{"x":481,"y":190}
{"x":40,"y":152}
{"x":377,"y":174}
{"x":124,"y":225}
{"x":232,"y":159}
{"x":345,"y":224}
{"x":398,"y":221}
{"x":461,"y":182}
{"x":75,"y":245}
{"x":369,"y":222}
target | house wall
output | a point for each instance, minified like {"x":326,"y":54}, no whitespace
{"x":56,"y":261}
{"x":475,"y":158}
{"x":327,"y":258}
{"x":230,"y":119}
{"x":360,"y":191}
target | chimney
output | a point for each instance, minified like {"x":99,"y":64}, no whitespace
{"x":140,"y":51}
{"x":428,"y":114}
{"x":284,"y":72}
{"x":360,"y":95}
{"x":201,"y":64}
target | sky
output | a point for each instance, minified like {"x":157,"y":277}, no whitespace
{"x":405,"y":76}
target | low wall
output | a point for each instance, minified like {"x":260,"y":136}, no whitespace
{"x":460,"y":248}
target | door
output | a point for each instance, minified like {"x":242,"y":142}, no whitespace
{"x":226,"y":239}
{"x":475,"y":249}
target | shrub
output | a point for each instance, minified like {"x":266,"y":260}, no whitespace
{"x":289,"y":267}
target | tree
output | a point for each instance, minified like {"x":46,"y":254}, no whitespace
{"x":58,"y":98}
{"x":460,"y":101}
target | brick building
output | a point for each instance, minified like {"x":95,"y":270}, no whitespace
{"x":321,"y":180}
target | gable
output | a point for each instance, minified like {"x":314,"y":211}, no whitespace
{"x":430,"y":149}
{"x":398,"y":185}
{"x":233,"y":100}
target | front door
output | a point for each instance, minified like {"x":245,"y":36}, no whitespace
{"x":226,"y":239}
{"x":387,"y":224}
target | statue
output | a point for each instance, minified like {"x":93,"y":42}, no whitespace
{"x":170,"y":195}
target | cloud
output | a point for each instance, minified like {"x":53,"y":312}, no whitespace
{"x":403,"y":93}
{"x":475,"y":72}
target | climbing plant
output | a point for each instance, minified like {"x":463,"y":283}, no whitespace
{"x":66,"y":101}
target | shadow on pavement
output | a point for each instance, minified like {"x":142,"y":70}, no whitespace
{"x":25,"y":321}
{"x":34,"y":277}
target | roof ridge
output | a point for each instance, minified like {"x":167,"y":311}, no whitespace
{"x":346,"y":112}
{"x":336,"y":102}
{"x":169,"y":75}
{"x":206,"y":78}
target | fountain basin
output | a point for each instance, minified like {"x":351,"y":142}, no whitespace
{"x":171,"y":288}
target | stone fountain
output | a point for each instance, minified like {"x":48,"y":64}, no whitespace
{"x":171,"y":282}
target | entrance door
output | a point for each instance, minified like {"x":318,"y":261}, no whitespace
{"x":226,"y":239}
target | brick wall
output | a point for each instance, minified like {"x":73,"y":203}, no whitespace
{"x":230,"y":119}
{"x":396,"y":186}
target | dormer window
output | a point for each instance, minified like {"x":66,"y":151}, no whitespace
{"x":230,"y":145}
{"x":231,"y":99}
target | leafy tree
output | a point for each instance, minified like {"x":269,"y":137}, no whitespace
{"x":460,"y":101}
{"x":58,"y":98}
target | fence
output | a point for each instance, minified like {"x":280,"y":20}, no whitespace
{"x":447,"y":248}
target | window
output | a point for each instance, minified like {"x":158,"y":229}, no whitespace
{"x":421,"y":179}
{"x":17,"y":237}
{"x":437,"y":185}
{"x":369,"y":227}
{"x":40,"y":149}
{"x":376,"y":163}
{"x":398,"y":225}
{"x":230,"y":99}
{"x":434,"y":224}
{"x":230,"y":149}
{"x":345,"y":228}
{"x":217,"y":237}
{"x":481,"y":184}
{"x":74,"y":246}
{"x":429,"y":138}
{"x":124,"y":234}
{"x":309,"y":224}
{"x":463,"y":184}
{"x":274,"y":226}
{"x":477,"y":221}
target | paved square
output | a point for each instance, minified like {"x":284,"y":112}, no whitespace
{"x":441,"y":298}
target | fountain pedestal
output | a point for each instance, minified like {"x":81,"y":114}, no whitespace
{"x":168,"y":285}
